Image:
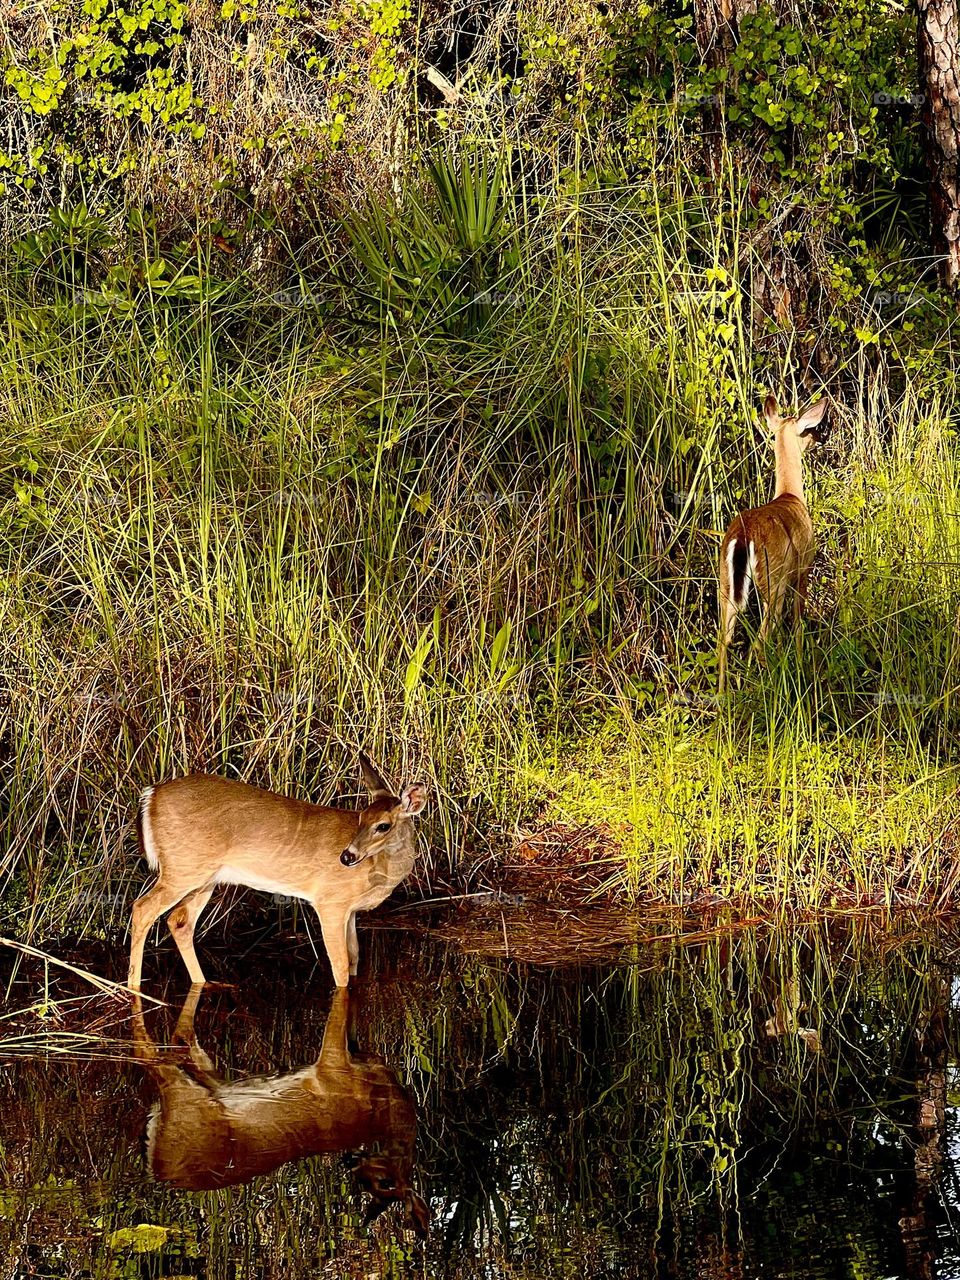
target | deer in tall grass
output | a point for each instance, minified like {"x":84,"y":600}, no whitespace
{"x":201,"y":831}
{"x":206,"y":1132}
{"x":771,"y":547}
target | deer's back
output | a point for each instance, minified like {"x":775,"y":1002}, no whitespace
{"x":243,"y":834}
{"x":781,"y":533}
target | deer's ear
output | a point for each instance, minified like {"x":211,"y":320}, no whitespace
{"x":771,"y":410}
{"x":413,"y":799}
{"x":811,"y":418}
{"x":371,"y":779}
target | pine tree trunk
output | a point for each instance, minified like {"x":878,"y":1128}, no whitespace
{"x":717,"y":30}
{"x":937,"y":33}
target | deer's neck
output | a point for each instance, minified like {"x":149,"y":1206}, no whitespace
{"x":789,"y":472}
{"x":401,"y":856}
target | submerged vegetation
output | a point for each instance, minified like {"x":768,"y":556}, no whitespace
{"x":727,"y":1105}
{"x":415,"y":426}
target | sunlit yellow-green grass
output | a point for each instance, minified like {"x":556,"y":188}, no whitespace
{"x":701,"y":811}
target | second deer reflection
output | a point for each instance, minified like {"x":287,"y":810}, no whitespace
{"x":205,"y":1132}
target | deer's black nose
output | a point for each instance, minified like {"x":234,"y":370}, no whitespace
{"x":348,"y":858}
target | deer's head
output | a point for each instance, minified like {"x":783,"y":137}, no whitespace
{"x":384,"y":1180}
{"x":384,"y":825}
{"x":807,"y":428}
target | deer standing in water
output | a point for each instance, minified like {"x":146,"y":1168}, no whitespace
{"x":771,"y":546}
{"x":201,"y":831}
{"x":206,"y":1132}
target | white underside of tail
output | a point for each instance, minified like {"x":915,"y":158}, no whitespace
{"x":152,"y":1122}
{"x":146,"y":830}
{"x":749,"y":573}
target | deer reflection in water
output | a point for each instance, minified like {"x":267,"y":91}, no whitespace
{"x":206,"y":1132}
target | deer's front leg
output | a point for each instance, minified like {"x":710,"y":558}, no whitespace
{"x":334,"y":925}
{"x":353,"y":945}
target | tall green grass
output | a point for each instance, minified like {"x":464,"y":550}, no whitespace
{"x":449,"y":484}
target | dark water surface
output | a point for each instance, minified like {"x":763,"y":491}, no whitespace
{"x":766,"y":1102}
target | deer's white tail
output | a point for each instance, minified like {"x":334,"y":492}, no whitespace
{"x":741,"y":567}
{"x":147,"y":843}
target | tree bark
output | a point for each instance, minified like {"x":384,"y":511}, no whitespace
{"x":717,"y":30}
{"x":717,"y":27}
{"x":937,"y":33}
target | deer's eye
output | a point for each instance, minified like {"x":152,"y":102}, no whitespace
{"x":382,"y":826}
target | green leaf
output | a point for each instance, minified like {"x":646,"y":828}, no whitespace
{"x":146,"y":1237}
{"x":417,"y":662}
{"x":499,"y":646}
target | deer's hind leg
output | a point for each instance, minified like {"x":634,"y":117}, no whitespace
{"x":728,"y":625}
{"x":772,"y":589}
{"x":146,"y":911}
{"x":772,"y":611}
{"x":182,"y":922}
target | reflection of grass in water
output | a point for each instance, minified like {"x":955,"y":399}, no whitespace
{"x":561,"y":1118}
{"x":672,"y":1094}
